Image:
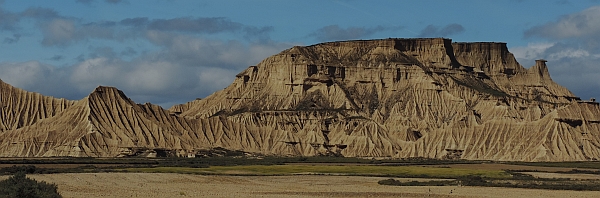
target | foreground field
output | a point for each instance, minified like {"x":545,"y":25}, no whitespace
{"x":307,"y":177}
{"x":185,"y":185}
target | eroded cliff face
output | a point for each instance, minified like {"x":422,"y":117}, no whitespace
{"x":403,"y":98}
{"x":20,"y":108}
{"x":376,"y":98}
{"x":108,"y":124}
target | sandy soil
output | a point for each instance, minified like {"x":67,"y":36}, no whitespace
{"x":563,"y":175}
{"x":494,"y":166}
{"x":91,"y":185}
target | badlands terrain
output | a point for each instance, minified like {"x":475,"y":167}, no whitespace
{"x":388,"y":98}
{"x":430,"y":107}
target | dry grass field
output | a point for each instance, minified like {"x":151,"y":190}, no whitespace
{"x":305,"y":179}
{"x":91,"y":185}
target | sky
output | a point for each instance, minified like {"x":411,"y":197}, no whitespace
{"x":172,"y":51}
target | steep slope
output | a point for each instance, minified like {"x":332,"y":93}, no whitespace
{"x":20,"y":108}
{"x":394,"y":98}
{"x":407,"y":98}
{"x":108,"y":124}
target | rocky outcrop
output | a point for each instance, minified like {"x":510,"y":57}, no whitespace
{"x":393,"y":98}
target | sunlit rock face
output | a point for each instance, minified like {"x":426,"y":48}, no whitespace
{"x":394,"y":98}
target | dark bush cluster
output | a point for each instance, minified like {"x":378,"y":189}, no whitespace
{"x":15,"y":169}
{"x":393,"y":182}
{"x":83,"y":160}
{"x":518,"y":181}
{"x":19,"y":186}
{"x":31,"y":169}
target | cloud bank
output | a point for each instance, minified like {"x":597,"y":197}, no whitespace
{"x":582,"y":25}
{"x":170,"y":61}
{"x":572,"y":49}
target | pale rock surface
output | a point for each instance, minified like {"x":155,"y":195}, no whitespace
{"x":393,"y":98}
{"x":20,"y":108}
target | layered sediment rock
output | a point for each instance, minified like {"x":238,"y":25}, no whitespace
{"x":20,"y":108}
{"x":376,"y":98}
{"x":108,"y":124}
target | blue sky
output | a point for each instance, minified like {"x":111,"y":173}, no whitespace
{"x":173,"y":51}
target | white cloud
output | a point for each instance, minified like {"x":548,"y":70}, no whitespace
{"x":97,"y":71}
{"x":185,"y":68}
{"x":583,"y":24}
{"x":194,"y":51}
{"x":153,"y":76}
{"x":58,"y":31}
{"x":216,"y":77}
{"x":163,"y":61}
{"x":573,"y":53}
{"x":549,"y":51}
{"x":580,"y":75}
{"x":568,"y":53}
{"x":570,"y":65}
{"x":531,"y":51}
{"x":38,"y":77}
{"x":24,"y":75}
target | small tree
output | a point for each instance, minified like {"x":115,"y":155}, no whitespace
{"x":19,"y":186}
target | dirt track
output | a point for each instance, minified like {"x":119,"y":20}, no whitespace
{"x":91,"y":185}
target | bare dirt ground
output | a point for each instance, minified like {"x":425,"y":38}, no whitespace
{"x":577,"y":176}
{"x":494,"y":166}
{"x":91,"y":185}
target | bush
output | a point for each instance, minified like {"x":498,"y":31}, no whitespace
{"x":393,"y":182}
{"x":15,"y":169}
{"x":19,"y":186}
{"x":473,"y":180}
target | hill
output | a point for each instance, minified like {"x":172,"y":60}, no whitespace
{"x":397,"y":98}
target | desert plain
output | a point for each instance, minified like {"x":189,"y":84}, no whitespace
{"x":186,"y":185}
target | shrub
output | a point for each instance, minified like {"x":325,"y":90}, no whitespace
{"x":19,"y":185}
{"x":473,"y":180}
{"x":15,"y":169}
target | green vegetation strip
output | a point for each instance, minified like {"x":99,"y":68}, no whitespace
{"x":398,"y":171}
{"x":517,"y":181}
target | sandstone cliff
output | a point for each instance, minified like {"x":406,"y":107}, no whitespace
{"x":408,"y":98}
{"x":375,"y":98}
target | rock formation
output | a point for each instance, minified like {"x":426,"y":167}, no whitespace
{"x":395,"y":98}
{"x":20,"y":108}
